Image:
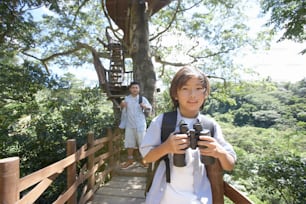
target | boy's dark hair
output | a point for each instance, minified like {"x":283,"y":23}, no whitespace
{"x":134,"y":83}
{"x":180,"y":79}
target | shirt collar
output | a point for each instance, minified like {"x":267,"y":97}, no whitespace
{"x":180,"y":117}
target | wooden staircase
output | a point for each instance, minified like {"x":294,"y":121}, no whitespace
{"x":117,"y":78}
{"x":117,"y":68}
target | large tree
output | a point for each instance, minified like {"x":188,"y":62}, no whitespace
{"x":184,"y":32}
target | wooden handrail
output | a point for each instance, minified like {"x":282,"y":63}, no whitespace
{"x":11,"y":185}
{"x":235,"y":195}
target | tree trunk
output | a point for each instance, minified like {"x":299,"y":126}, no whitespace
{"x":140,"y":50}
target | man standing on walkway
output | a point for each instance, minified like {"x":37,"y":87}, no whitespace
{"x":133,"y":108}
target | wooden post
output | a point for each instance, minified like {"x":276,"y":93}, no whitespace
{"x":120,"y":143}
{"x":116,"y":146}
{"x":9,"y":179}
{"x":71,"y":170}
{"x":110,"y":147}
{"x":215,"y":175}
{"x":91,"y":162}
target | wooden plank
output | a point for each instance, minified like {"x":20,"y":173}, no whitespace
{"x":136,"y":170}
{"x":135,"y":179}
{"x":121,"y":192}
{"x":235,"y":195}
{"x":122,"y":189}
{"x":54,"y":168}
{"x":34,"y":194}
{"x":124,"y":184}
{"x":138,"y":184}
{"x":117,"y":200}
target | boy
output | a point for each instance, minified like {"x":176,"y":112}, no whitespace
{"x":135,"y":121}
{"x":188,"y":184}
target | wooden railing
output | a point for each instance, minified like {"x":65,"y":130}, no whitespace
{"x":90,"y":175}
{"x":12,"y":186}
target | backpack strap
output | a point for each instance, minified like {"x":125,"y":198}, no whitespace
{"x":140,"y":99}
{"x":168,"y":126}
{"x":207,"y":124}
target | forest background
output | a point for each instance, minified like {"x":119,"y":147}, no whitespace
{"x":264,"y":120}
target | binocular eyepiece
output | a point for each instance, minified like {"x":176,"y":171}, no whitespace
{"x":193,"y":135}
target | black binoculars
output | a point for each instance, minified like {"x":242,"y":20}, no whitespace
{"x":193,"y":135}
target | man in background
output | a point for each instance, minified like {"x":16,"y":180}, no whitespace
{"x":134,"y":121}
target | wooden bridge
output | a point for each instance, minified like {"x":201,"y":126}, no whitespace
{"x":95,"y":168}
{"x":126,"y":187}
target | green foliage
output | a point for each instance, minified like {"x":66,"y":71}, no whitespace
{"x":288,"y":16}
{"x":17,"y":26}
{"x":260,"y":152}
{"x":39,"y":114}
{"x":284,"y":176}
{"x":262,"y":104}
{"x":164,"y":103}
{"x":265,"y":118}
{"x":243,"y":115}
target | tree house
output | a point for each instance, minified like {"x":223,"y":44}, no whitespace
{"x":117,"y":78}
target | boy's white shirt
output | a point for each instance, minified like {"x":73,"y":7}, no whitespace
{"x":132,"y":116}
{"x":181,"y":188}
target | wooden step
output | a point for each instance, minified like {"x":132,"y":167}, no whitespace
{"x":121,"y":190}
{"x":127,"y":186}
{"x":136,"y":170}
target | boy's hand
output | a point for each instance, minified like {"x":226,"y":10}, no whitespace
{"x":177,"y":143}
{"x":143,"y":106}
{"x":123,"y":104}
{"x":208,"y":146}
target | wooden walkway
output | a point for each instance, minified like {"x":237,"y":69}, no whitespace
{"x":126,"y":186}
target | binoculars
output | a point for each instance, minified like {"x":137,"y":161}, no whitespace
{"x":193,"y":135}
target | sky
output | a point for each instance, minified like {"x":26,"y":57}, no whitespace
{"x":282,"y":62}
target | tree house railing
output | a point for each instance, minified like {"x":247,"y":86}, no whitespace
{"x":99,"y":166}
{"x":118,"y":82}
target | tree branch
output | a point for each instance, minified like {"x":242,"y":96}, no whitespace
{"x":79,"y":46}
{"x":78,"y":11}
{"x":170,"y":24}
{"x":43,"y":62}
{"x":213,"y":54}
{"x":175,"y":64}
{"x":110,"y":23}
{"x":100,"y":70}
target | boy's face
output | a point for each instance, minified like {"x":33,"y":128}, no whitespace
{"x":190,"y":97}
{"x":134,"y":90}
